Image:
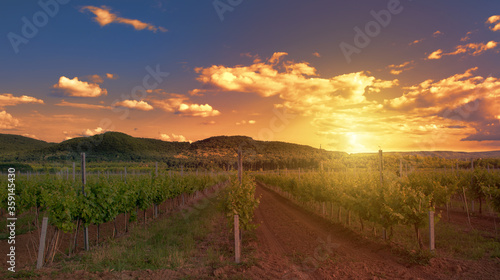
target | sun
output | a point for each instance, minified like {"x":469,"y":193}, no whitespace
{"x":354,"y":146}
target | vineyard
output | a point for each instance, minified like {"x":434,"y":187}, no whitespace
{"x":388,"y":204}
{"x":103,"y":198}
{"x":386,"y":199}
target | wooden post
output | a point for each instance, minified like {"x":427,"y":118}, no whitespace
{"x":400,"y":168}
{"x":84,"y":181}
{"x":155,"y":205}
{"x":237,"y":234}
{"x":237,"y":249}
{"x":466,"y":207}
{"x":240,"y":165}
{"x":41,"y":247}
{"x":74,"y":170}
{"x":432,"y":243}
{"x":381,"y":167}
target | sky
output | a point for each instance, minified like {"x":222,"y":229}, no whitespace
{"x":352,"y":76}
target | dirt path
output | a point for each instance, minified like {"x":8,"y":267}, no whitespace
{"x":299,"y":245}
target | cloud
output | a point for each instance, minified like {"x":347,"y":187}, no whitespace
{"x":82,"y":105}
{"x":436,"y":54}
{"x":197,"y":110}
{"x":398,"y":69}
{"x":316,"y":54}
{"x":174,"y":138}
{"x":437,"y":33}
{"x":111,"y":76}
{"x":276,"y":57}
{"x":467,"y":36}
{"x":197,"y":92}
{"x":462,"y":99}
{"x":134,"y":104}
{"x":95,"y":79}
{"x":243,"y":122}
{"x":104,"y":16}
{"x":296,"y":84}
{"x":473,"y":49}
{"x":495,"y":22}
{"x":416,"y":42}
{"x":7,"y":121}
{"x":92,"y":132}
{"x":75,"y":87}
{"x":7,"y":99}
{"x":30,"y":136}
{"x":180,"y":104}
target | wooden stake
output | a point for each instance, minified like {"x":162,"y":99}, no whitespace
{"x":237,"y":249}
{"x":84,"y":181}
{"x":431,"y":232}
{"x":41,"y":247}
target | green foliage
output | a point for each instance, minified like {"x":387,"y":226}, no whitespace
{"x":239,"y":199}
{"x":105,"y":197}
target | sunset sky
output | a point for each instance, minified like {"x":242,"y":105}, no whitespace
{"x":347,"y":75}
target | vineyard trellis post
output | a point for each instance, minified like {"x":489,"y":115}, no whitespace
{"x":41,"y":247}
{"x":381,"y":167}
{"x":74,"y":171}
{"x":237,"y":233}
{"x":432,"y":243}
{"x":155,"y":206}
{"x":84,"y":181}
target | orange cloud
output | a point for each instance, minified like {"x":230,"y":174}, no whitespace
{"x":180,"y":104}
{"x":296,"y":84}
{"x":75,"y":87}
{"x":104,"y":16}
{"x":92,"y":132}
{"x":473,"y":49}
{"x":134,"y":104}
{"x":7,"y":121}
{"x":436,"y":54}
{"x":111,"y":76}
{"x":197,"y":110}
{"x":453,"y":91}
{"x":437,"y":33}
{"x":81,"y":105}
{"x":7,"y":99}
{"x":316,"y":54}
{"x":495,"y":21}
{"x":398,"y":69}
{"x":416,"y":42}
{"x":174,"y":138}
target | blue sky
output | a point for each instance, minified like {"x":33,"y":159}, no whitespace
{"x":272,"y":70}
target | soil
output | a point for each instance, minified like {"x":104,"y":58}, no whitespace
{"x":292,"y":243}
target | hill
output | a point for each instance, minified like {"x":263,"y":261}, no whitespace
{"x":214,"y":152}
{"x":12,"y":144}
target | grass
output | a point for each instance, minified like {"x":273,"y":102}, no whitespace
{"x":167,"y":243}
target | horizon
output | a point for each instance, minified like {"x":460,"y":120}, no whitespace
{"x":190,"y":142}
{"x":349,"y":77}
